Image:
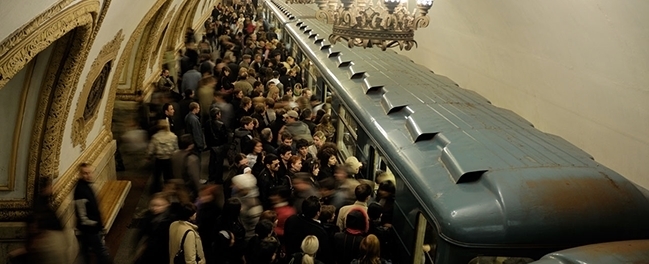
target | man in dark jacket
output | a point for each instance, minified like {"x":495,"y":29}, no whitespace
{"x":216,"y":136}
{"x":89,"y":225}
{"x":194,"y":128}
{"x":297,"y":227}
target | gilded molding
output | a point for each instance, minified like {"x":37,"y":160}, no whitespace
{"x":124,"y":58}
{"x":160,"y":39}
{"x":181,"y":22}
{"x":80,"y":125}
{"x":74,"y":29}
{"x":21,"y":33}
{"x":13,"y":60}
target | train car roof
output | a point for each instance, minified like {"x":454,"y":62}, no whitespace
{"x":633,"y":251}
{"x":483,"y":173}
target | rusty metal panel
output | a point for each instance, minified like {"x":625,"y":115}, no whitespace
{"x":632,"y":251}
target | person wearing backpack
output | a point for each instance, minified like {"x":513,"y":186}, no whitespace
{"x":242,"y":137}
{"x":185,"y":245}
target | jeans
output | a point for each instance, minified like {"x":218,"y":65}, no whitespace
{"x":93,"y":241}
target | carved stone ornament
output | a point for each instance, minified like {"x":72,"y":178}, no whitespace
{"x":93,"y":90}
{"x":180,"y":21}
{"x":74,"y":27}
{"x":160,"y":36}
{"x":139,"y":68}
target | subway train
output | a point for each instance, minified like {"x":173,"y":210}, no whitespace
{"x":475,"y":183}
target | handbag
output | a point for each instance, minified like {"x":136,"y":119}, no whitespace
{"x":179,"y":258}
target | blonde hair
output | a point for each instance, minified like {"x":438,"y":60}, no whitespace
{"x":163,"y":125}
{"x":310,"y":246}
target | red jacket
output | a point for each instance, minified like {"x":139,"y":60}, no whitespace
{"x":283,"y":213}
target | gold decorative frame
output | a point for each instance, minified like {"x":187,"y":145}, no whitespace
{"x":139,"y":69}
{"x":80,"y":125}
{"x":160,"y":39}
{"x":180,"y":22}
{"x":75,"y":27}
{"x":19,"y":35}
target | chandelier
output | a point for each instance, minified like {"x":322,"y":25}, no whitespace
{"x":365,"y":23}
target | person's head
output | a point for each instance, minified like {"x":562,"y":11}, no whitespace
{"x":208,"y":194}
{"x":232,"y":209}
{"x":225,"y":71}
{"x":186,"y":142}
{"x":363,"y":192}
{"x":269,"y":215}
{"x":163,"y":125}
{"x":159,"y":203}
{"x":85,"y":172}
{"x":357,"y":220}
{"x":287,"y":138}
{"x":255,"y":146}
{"x":246,"y":58}
{"x":240,"y":160}
{"x":215,"y":113}
{"x":285,"y":152}
{"x":187,"y":212}
{"x":311,"y":207}
{"x":327,"y":213}
{"x":279,"y":194}
{"x":302,"y":146}
{"x":353,"y":165}
{"x":340,"y":173}
{"x":272,"y":162}
{"x":370,"y":249}
{"x":267,"y":251}
{"x":264,"y":228}
{"x":386,"y":189}
{"x":315,"y":168}
{"x":194,"y":107}
{"x":188,"y":93}
{"x":266,"y":134}
{"x":302,"y":182}
{"x":374,"y":211}
{"x":296,"y":163}
{"x":325,"y":120}
{"x":258,"y":86}
{"x":291,"y":116}
{"x":168,"y":109}
{"x":246,"y":102}
{"x":258,"y":58}
{"x":309,"y":246}
{"x":165,"y":73}
{"x":306,"y":114}
{"x":319,"y":138}
{"x":247,"y":123}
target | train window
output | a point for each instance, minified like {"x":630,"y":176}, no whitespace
{"x":426,"y":242}
{"x":346,"y":136}
{"x":499,"y":260}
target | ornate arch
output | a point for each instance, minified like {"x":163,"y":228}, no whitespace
{"x":74,"y":28}
{"x":180,"y":22}
{"x":160,"y":38}
{"x":139,"y":69}
{"x":93,"y":90}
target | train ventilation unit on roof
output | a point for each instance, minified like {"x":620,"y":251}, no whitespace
{"x":471,"y":162}
{"x":392,"y":104}
{"x":420,"y":128}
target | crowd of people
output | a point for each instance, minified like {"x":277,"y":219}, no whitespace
{"x":283,"y":196}
{"x":286,"y":197}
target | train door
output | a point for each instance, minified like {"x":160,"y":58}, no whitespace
{"x":425,"y":242}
